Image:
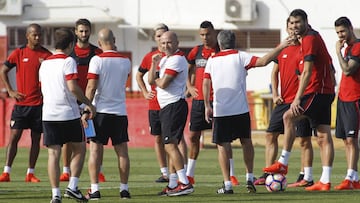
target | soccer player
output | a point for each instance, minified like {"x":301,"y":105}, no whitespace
{"x":197,"y":59}
{"x":61,"y":114}
{"x":313,"y":99}
{"x":106,"y":88}
{"x":348,"y":115}
{"x":171,"y":85}
{"x":82,"y":52}
{"x":226,"y":71}
{"x":154,"y":108}
{"x":286,"y":65}
{"x":27,"y":110}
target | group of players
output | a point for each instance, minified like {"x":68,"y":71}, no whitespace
{"x":307,"y":89}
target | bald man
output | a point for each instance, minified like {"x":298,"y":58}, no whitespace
{"x":107,"y":76}
{"x":170,"y":86}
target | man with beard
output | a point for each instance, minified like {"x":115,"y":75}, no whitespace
{"x":348,"y":116}
{"x":82,"y":53}
{"x":313,"y":99}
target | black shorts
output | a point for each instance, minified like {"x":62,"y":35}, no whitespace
{"x":110,"y":126}
{"x":154,"y":121}
{"x":276,"y":125}
{"x":24,"y":117}
{"x":197,"y":116}
{"x":61,"y":132}
{"x":347,"y":119}
{"x":173,"y":119}
{"x":318,"y":108}
{"x":229,"y":128}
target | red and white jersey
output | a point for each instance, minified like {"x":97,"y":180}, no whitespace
{"x":288,"y":61}
{"x":227,"y":71}
{"x":349,"y":90}
{"x":59,"y":103}
{"x":145,"y":67}
{"x":111,"y":69}
{"x":313,"y":49}
{"x":177,"y":66}
{"x":27,"y":62}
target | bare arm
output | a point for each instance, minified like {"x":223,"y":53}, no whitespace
{"x":191,"y":81}
{"x":164,"y":81}
{"x":303,"y":83}
{"x":263,"y":61}
{"x":275,"y":84}
{"x":206,"y":92}
{"x":348,"y":67}
{"x":152,"y":72}
{"x":140,"y":80}
{"x":77,"y":92}
{"x":5,"y":79}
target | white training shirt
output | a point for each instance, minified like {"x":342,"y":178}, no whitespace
{"x":227,"y":71}
{"x":111,"y":69}
{"x":59,"y":103}
{"x":177,"y":66}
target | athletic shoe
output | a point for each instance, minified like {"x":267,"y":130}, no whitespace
{"x":191,"y":180}
{"x":319,"y":186}
{"x":64,"y":177}
{"x":356,"y":184}
{"x":56,"y":199}
{"x":165,"y":191}
{"x":162,"y":179}
{"x":5,"y":177}
{"x":250,"y":187}
{"x":234,"y":180}
{"x":75,"y":195}
{"x":101,"y":177}
{"x":345,"y":185}
{"x":181,"y":189}
{"x":302,"y":183}
{"x":124,"y":194}
{"x":30,"y":177}
{"x":93,"y":196}
{"x":222,"y":190}
{"x":277,"y":167}
{"x":300,"y":177}
{"x":261,"y":179}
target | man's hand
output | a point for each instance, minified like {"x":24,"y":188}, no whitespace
{"x":296,"y":108}
{"x":17,"y":95}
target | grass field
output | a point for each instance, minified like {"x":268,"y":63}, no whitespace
{"x":144,"y":170}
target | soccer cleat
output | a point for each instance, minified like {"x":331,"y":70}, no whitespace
{"x":345,"y":185}
{"x":302,"y":183}
{"x":75,"y":195}
{"x":319,"y":186}
{"x":124,"y":194}
{"x":56,"y":199}
{"x":165,"y":191}
{"x":191,"y":180}
{"x":234,"y":180}
{"x":162,"y":179}
{"x":261,"y":179}
{"x":356,"y":184}
{"x":250,"y":187}
{"x":64,"y":177}
{"x":222,"y":190}
{"x":277,"y":167}
{"x":5,"y":177}
{"x":30,"y":177}
{"x":181,"y":189}
{"x":300,"y":177}
{"x":101,"y":177}
{"x":93,"y":196}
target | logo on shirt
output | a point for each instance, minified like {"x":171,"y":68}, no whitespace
{"x":25,"y":59}
{"x":200,"y":62}
{"x":284,"y":56}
